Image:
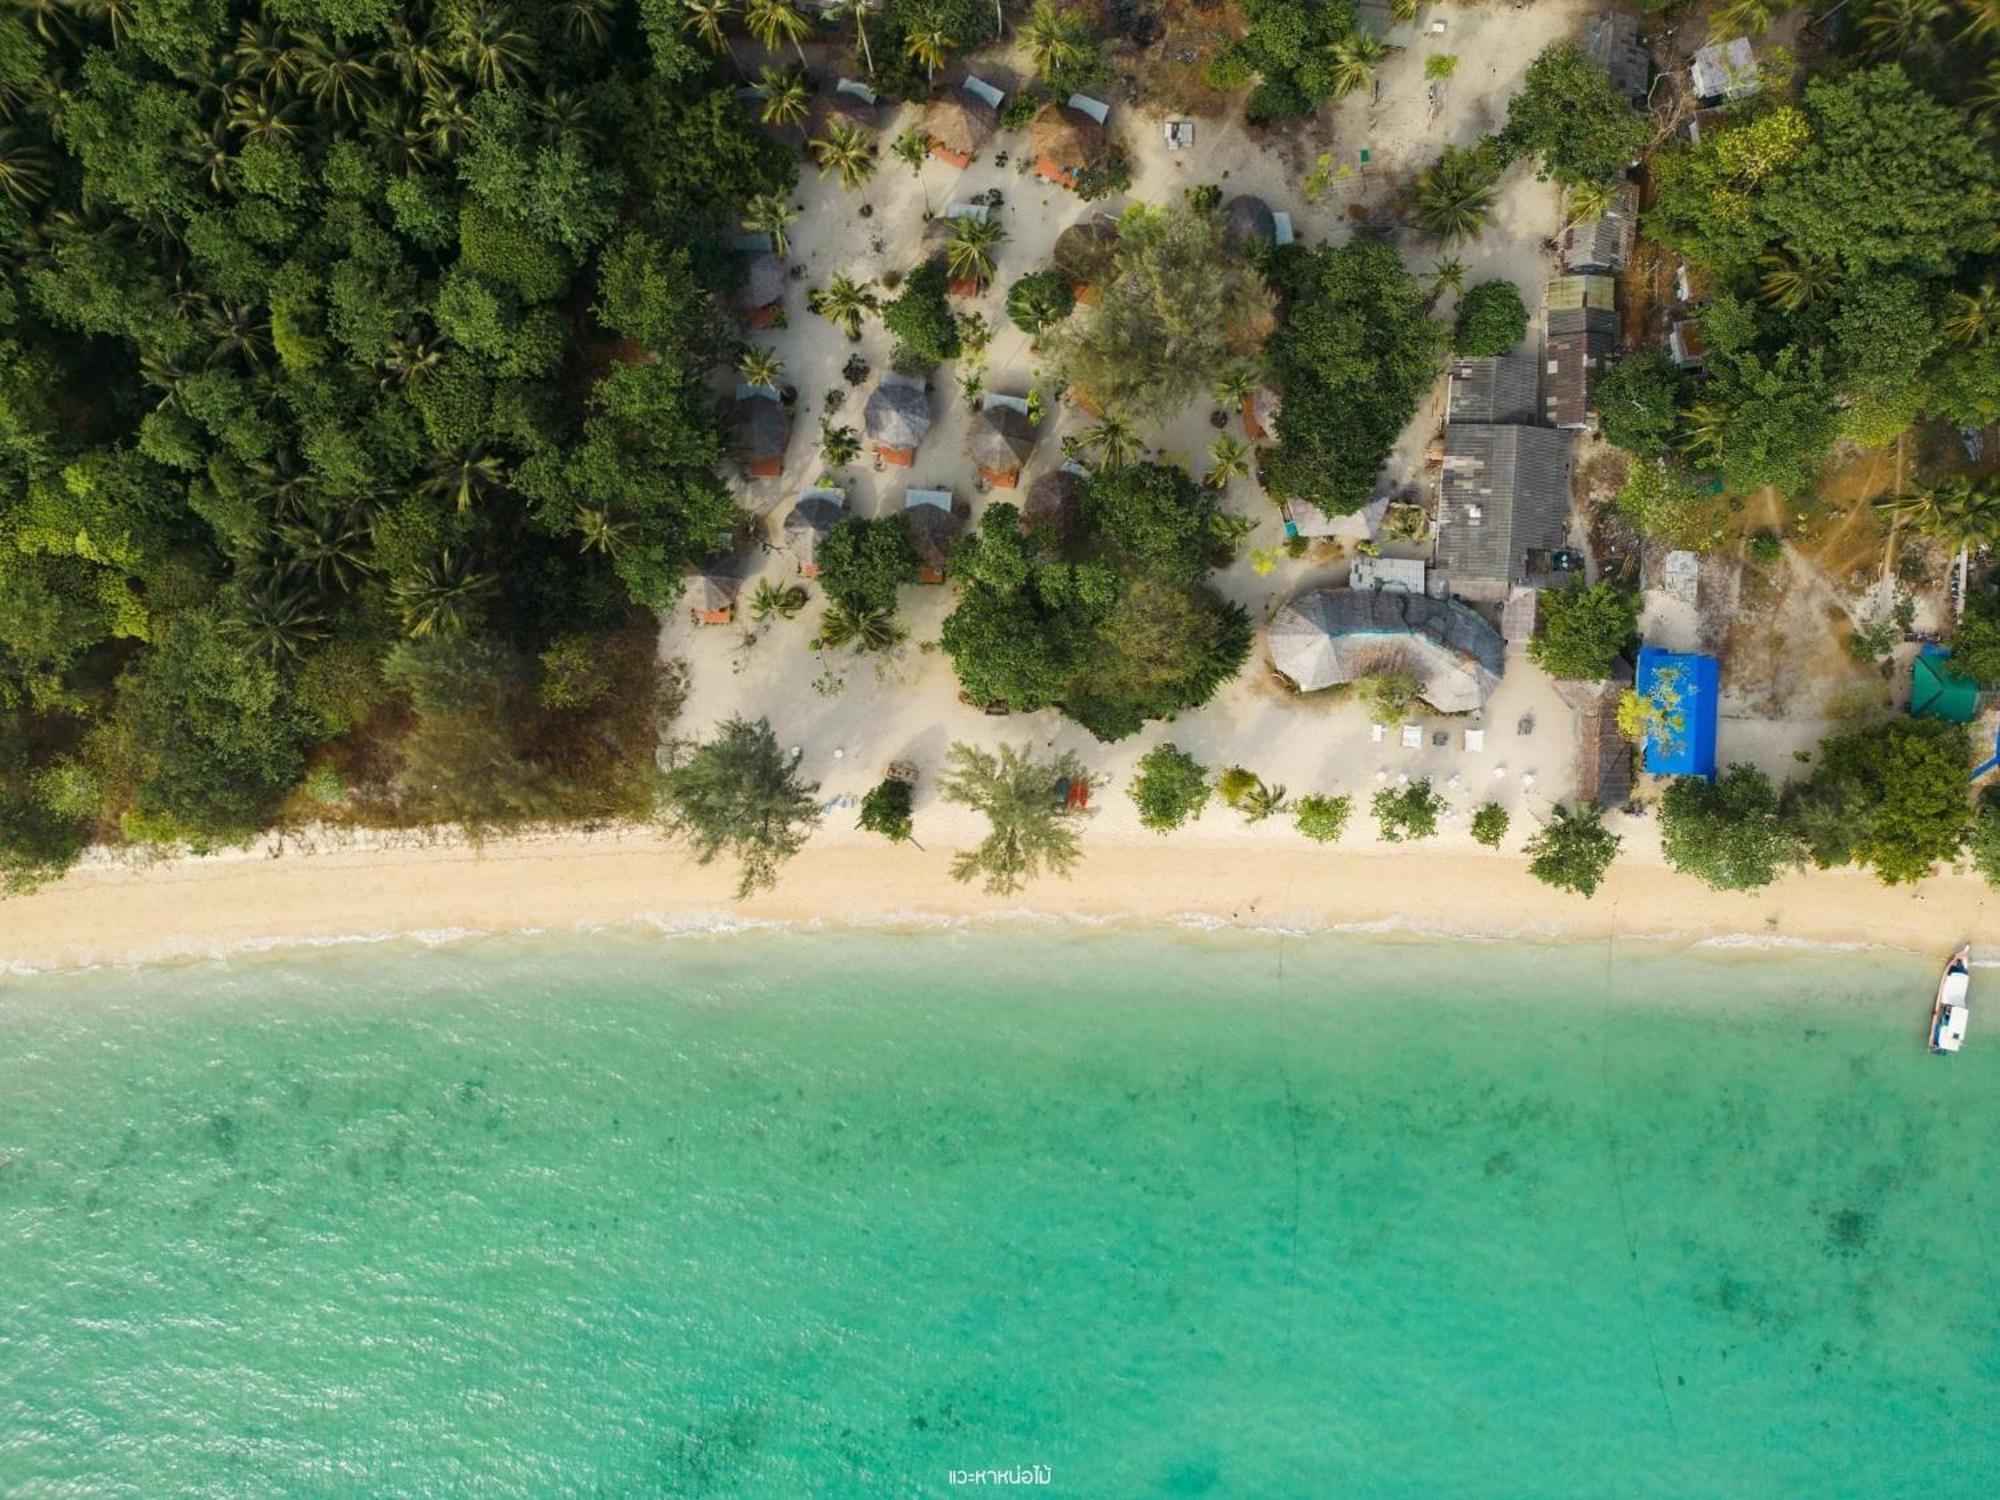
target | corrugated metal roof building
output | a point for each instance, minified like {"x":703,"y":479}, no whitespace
{"x":1495,"y":388}
{"x":1575,"y":360}
{"x":1503,"y":507}
{"x":1612,"y":40}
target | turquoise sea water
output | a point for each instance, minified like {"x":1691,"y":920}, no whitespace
{"x":839,"y":1213}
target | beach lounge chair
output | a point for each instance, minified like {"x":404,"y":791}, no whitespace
{"x":1413,"y":737}
{"x":1376,"y":732}
{"x":1475,"y":739}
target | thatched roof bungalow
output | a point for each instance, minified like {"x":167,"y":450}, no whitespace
{"x":1260,"y":415}
{"x":1052,"y":500}
{"x":761,"y":298}
{"x":999,"y":441}
{"x":958,"y":126}
{"x":1086,"y":255}
{"x":1336,"y":636}
{"x":712,"y":594}
{"x":809,"y":523}
{"x":897,"y":416}
{"x":759,"y":430}
{"x":932,"y":522}
{"x":1064,"y":142}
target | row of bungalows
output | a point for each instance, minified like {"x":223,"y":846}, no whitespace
{"x":1064,"y":140}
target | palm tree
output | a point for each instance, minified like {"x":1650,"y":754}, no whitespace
{"x":1453,"y":196}
{"x":913,"y":148}
{"x":602,"y":531}
{"x":839,"y":446}
{"x":1982,"y":20}
{"x":1054,"y":38}
{"x":1984,"y":101}
{"x":115,"y":16}
{"x":776,"y":600}
{"x":1228,"y":458}
{"x":1355,"y":59}
{"x":770,"y":213}
{"x":968,"y":254}
{"x":1744,"y":18}
{"x":760,"y":365}
{"x":466,"y":476}
{"x":441,"y":597}
{"x":332,"y":548}
{"x":489,"y":47}
{"x":1236,"y":385}
{"x":1792,"y":284}
{"x":414,"y":57}
{"x":337,"y":74}
{"x":1586,"y":201}
{"x":848,"y":150}
{"x":282,"y":621}
{"x":1961,"y":510}
{"x":1447,"y":275}
{"x":857,"y":11}
{"x":238,"y":333}
{"x":51,"y":19}
{"x":844,"y":303}
{"x":448,"y":118}
{"x":928,"y":42}
{"x":586,"y":23}
{"x":705,"y":19}
{"x":1701,"y":428}
{"x":564,"y":115}
{"x":1904,"y":26}
{"x":775,"y":22}
{"x":400,"y":135}
{"x":785,"y":93}
{"x":1971,"y":318}
{"x":25,"y":167}
{"x":1112,"y":439}
{"x":264,"y":116}
{"x":865,"y":627}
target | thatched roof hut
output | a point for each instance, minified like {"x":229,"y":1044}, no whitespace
{"x":759,"y":431}
{"x":1086,"y":254}
{"x":809,"y":523}
{"x":712,"y":593}
{"x":763,"y":282}
{"x":933,"y":529}
{"x":896,"y":418}
{"x":958,"y":125}
{"x":1064,"y":142}
{"x":851,"y":103}
{"x":1322,"y":639}
{"x":1249,"y":221}
{"x":1260,"y":414}
{"x":1052,"y":501}
{"x":1000,"y":440}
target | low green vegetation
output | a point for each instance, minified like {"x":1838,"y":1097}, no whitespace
{"x":863,"y":563}
{"x":1250,"y":794}
{"x":1389,"y":695}
{"x":1985,"y":843}
{"x":886,"y":810}
{"x":1891,"y":797}
{"x":922,"y":321}
{"x":1638,"y":403}
{"x":736,"y":794}
{"x":1289,"y":49}
{"x":1039,"y":300}
{"x":1583,"y":629}
{"x":1407,"y":813}
{"x":1171,"y":788}
{"x":1491,"y":319}
{"x":1572,"y":851}
{"x":1489,"y":825}
{"x":1571,"y":120}
{"x":1667,"y":505}
{"x":1321,"y":818}
{"x":1727,"y":833}
{"x":1029,"y":832}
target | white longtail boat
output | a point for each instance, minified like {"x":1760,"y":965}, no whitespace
{"x":1949,"y":1014}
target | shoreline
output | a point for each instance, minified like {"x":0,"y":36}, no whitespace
{"x":109,"y":913}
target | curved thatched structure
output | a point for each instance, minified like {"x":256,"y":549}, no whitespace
{"x":897,"y":417}
{"x":1052,"y":501}
{"x":712,"y":593}
{"x":1064,"y":141}
{"x":759,"y":430}
{"x":932,"y":530}
{"x":1086,"y":253}
{"x":808,"y":524}
{"x":1249,"y":221}
{"x":999,"y":441}
{"x":763,"y":281}
{"x":959,"y":124}
{"x":1323,"y":639}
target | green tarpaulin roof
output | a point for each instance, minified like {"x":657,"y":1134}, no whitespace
{"x":1936,"y":692}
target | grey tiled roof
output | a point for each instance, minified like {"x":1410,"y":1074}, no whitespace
{"x":1495,"y":388}
{"x":1505,"y":495}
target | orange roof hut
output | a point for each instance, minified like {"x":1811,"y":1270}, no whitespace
{"x":1000,"y":440}
{"x":1064,"y":141}
{"x":896,"y":417}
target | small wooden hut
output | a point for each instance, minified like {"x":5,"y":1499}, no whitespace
{"x":958,"y":126}
{"x":999,"y":442}
{"x":897,"y":416}
{"x":712,"y":594}
{"x":809,"y":523}
{"x":760,"y":429}
{"x":1064,"y":141}
{"x":761,"y":298}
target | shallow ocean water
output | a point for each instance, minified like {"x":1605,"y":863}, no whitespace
{"x":830,"y":1213}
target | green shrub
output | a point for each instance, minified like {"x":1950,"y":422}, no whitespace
{"x":886,"y":809}
{"x":1322,"y":819}
{"x":1171,"y":788}
{"x":1489,"y":825}
{"x":1405,"y":814}
{"x":1491,"y":319}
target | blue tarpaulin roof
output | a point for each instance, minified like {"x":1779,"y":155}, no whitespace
{"x":1686,"y":689}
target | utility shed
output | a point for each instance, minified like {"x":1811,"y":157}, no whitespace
{"x":1503,"y":510}
{"x":1611,"y":39}
{"x":1685,"y":689}
{"x":1495,"y":388}
{"x":1604,"y":243}
{"x":1603,"y":754}
{"x":1575,"y":360}
{"x":1724,"y":70}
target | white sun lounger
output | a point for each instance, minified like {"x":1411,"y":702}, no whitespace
{"x":1413,"y":737}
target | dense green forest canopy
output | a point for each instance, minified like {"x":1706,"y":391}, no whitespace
{"x":353,"y":360}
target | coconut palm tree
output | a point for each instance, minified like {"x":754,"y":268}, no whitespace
{"x":785,"y":93}
{"x":1235,"y":385}
{"x":441,"y":597}
{"x":705,"y":19}
{"x":1586,"y":201}
{"x":1792,"y":284}
{"x":1984,"y":101}
{"x":1055,"y":39}
{"x":490,"y":48}
{"x":414,"y":57}
{"x":844,"y":303}
{"x":1972,"y":318}
{"x":862,"y":626}
{"x":115,"y":16}
{"x":770,"y":213}
{"x":1453,"y":196}
{"x":282,"y":621}
{"x":1961,"y":511}
{"x":25,"y":167}
{"x":1355,"y":59}
{"x":1448,"y":275}
{"x":337,"y":74}
{"x":586,"y":23}
{"x":601,"y":531}
{"x":1112,"y":439}
{"x":928,"y":42}
{"x":1900,"y":27}
{"x":848,"y":150}
{"x":448,"y":118}
{"x":839,"y":445}
{"x":466,"y":475}
{"x":760,"y":365}
{"x":913,"y":148}
{"x":1744,"y":18}
{"x":1701,"y":428}
{"x":1982,"y":20}
{"x":264,"y":116}
{"x":332,"y":548}
{"x":857,"y":13}
{"x":968,"y":254}
{"x":776,"y":22}
{"x":1228,"y":458}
